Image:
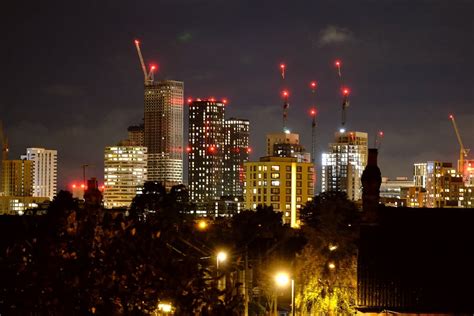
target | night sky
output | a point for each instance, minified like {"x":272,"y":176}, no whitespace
{"x":71,"y":80}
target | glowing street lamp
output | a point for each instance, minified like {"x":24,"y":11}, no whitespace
{"x":282,"y":279}
{"x":202,"y":225}
{"x":221,"y":257}
{"x":165,"y":308}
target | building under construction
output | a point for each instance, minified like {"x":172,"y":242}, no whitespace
{"x":342,"y":167}
{"x":163,"y":132}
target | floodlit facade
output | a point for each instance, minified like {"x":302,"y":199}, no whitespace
{"x":17,"y":205}
{"x":125,"y":172}
{"x":17,"y":177}
{"x":468,"y":172}
{"x":206,"y":151}
{"x":280,"y":182}
{"x":45,"y":176}
{"x":236,"y":153}
{"x":343,"y":165}
{"x":164,"y":131}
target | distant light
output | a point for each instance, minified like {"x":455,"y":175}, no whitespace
{"x":202,"y":225}
{"x":212,"y":149}
{"x":212,"y":99}
{"x":21,"y":212}
{"x":190,"y":100}
{"x":332,"y":266}
{"x":153,"y":67}
{"x":451,"y":116}
{"x":73,"y":186}
{"x":332,"y":247}
{"x":346,"y":91}
{"x":380,"y":133}
{"x":82,"y":186}
{"x":342,"y":130}
{"x":282,"y":66}
{"x":137,"y":42}
{"x":312,"y":112}
{"x":165,"y":307}
{"x":249,"y":150}
{"x":287,"y":131}
{"x":285,"y":93}
{"x":313,"y":84}
{"x":337,"y":63}
{"x":282,"y":279}
{"x":221,"y":256}
{"x":224,"y":101}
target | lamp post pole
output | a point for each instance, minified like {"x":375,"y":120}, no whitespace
{"x":293,"y":307}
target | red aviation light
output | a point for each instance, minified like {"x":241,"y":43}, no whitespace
{"x":224,"y":101}
{"x":188,"y":149}
{"x":212,"y":99}
{"x":313,"y":84}
{"x":137,"y":42}
{"x":451,"y":117}
{"x":313,"y":112}
{"x":82,"y":186}
{"x":190,"y":100}
{"x":212,"y":149}
{"x":74,"y":186}
{"x":282,"y":66}
{"x":337,"y":63}
{"x":249,"y":150}
{"x":285,"y":93}
{"x":346,"y":91}
{"x":381,"y":133}
{"x":102,"y":187}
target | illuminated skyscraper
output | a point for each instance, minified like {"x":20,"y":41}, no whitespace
{"x":17,"y":177}
{"x":45,"y":176}
{"x":3,"y":153}
{"x":125,"y":172}
{"x":164,"y":131}
{"x":236,"y":153}
{"x":206,"y":149}
{"x":342,"y":167}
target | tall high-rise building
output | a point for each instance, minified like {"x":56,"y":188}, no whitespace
{"x":164,"y":131}
{"x":206,"y":151}
{"x":136,"y":135}
{"x":3,"y":153}
{"x":419,"y":174}
{"x":343,"y":165}
{"x":236,"y":153}
{"x":125,"y":172}
{"x":45,"y":176}
{"x":280,"y":182}
{"x":17,"y":177}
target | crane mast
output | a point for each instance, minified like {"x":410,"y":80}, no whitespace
{"x":148,"y":76}
{"x":462,"y":151}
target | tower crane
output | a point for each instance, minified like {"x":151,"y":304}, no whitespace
{"x":462,"y":150}
{"x":148,"y":76}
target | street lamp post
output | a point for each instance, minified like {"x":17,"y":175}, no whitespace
{"x":282,"y":279}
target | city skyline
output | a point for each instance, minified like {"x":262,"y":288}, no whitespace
{"x":407,"y":91}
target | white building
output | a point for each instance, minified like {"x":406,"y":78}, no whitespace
{"x":342,"y":167}
{"x":45,"y":171}
{"x":125,"y":172}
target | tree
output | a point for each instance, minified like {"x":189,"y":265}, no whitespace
{"x":326,"y":268}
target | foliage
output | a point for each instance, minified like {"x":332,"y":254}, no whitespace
{"x":332,"y":230}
